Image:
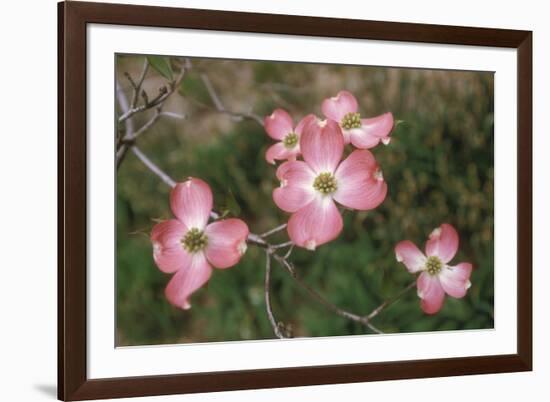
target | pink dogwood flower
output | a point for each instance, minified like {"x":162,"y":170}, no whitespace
{"x":309,"y":188}
{"x":362,"y":133}
{"x":188,"y":246}
{"x":279,"y":126}
{"x":436,"y":277}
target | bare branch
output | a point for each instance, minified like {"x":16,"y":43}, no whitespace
{"x":389,"y":302}
{"x":129,"y":138}
{"x":158,"y":100}
{"x":315,"y":295}
{"x":282,"y":245}
{"x":219,"y":106}
{"x":274,"y":230}
{"x":269,"y":308}
{"x":152,"y":167}
{"x":137,"y":88}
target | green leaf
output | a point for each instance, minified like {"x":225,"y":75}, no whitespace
{"x":162,"y":66}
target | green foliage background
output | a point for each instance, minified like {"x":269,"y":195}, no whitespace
{"x":439,"y":168}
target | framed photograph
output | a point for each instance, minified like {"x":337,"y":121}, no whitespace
{"x":252,"y":200}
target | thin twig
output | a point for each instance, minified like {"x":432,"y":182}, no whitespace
{"x":158,"y":100}
{"x":130,"y":136}
{"x":152,"y":167}
{"x":267,"y":293}
{"x":273,"y":231}
{"x":389,"y":302}
{"x":282,"y":245}
{"x":137,"y":89}
{"x":128,"y":140}
{"x":315,"y":295}
{"x":219,"y":106}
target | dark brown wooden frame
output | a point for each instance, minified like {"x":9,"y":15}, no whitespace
{"x":73,"y":383}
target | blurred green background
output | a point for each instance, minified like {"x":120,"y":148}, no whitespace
{"x":439,"y":168}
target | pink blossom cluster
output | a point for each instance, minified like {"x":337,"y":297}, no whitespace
{"x":317,"y":176}
{"x":311,"y":188}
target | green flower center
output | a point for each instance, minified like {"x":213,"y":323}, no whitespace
{"x":194,"y":240}
{"x":351,"y":120}
{"x":290,"y":140}
{"x":433,"y":265}
{"x":325,"y":183}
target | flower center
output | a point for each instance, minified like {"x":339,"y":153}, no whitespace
{"x":433,"y":265}
{"x":351,"y":120}
{"x":290,"y":140}
{"x":325,"y":183}
{"x":194,"y":240}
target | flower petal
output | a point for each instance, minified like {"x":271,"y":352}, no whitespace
{"x":455,"y":280}
{"x":407,"y":253}
{"x":168,"y":252}
{"x":443,"y":243}
{"x":317,"y":223}
{"x":362,"y":139}
{"x":191,"y":202}
{"x":186,"y":281}
{"x":226,"y":242}
{"x":430,"y":292}
{"x":296,"y":190}
{"x":337,"y":107}
{"x":302,"y":123}
{"x":360,"y":184}
{"x":278,"y":124}
{"x":372,"y":131}
{"x":322,"y":145}
{"x":280,"y":152}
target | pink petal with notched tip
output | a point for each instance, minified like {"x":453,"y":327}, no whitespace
{"x":168,"y":252}
{"x":191,"y":202}
{"x":407,"y":253}
{"x":443,"y":243}
{"x":186,"y":281}
{"x":226,"y":242}
{"x":372,"y":131}
{"x":359,"y":183}
{"x":317,"y":223}
{"x":455,"y":280}
{"x":430,"y":292}
{"x":278,"y":124}
{"x":278,"y":151}
{"x":296,"y":190}
{"x":337,"y":107}
{"x":322,"y":145}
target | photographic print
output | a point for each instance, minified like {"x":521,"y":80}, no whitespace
{"x":259,"y":200}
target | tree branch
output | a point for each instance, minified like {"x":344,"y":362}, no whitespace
{"x":316,"y":296}
{"x":219,"y":106}
{"x":152,"y":167}
{"x":130,"y":136}
{"x":137,"y":88}
{"x":159,"y":100}
{"x":273,"y":231}
{"x":389,"y":302}
{"x":269,"y":308}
